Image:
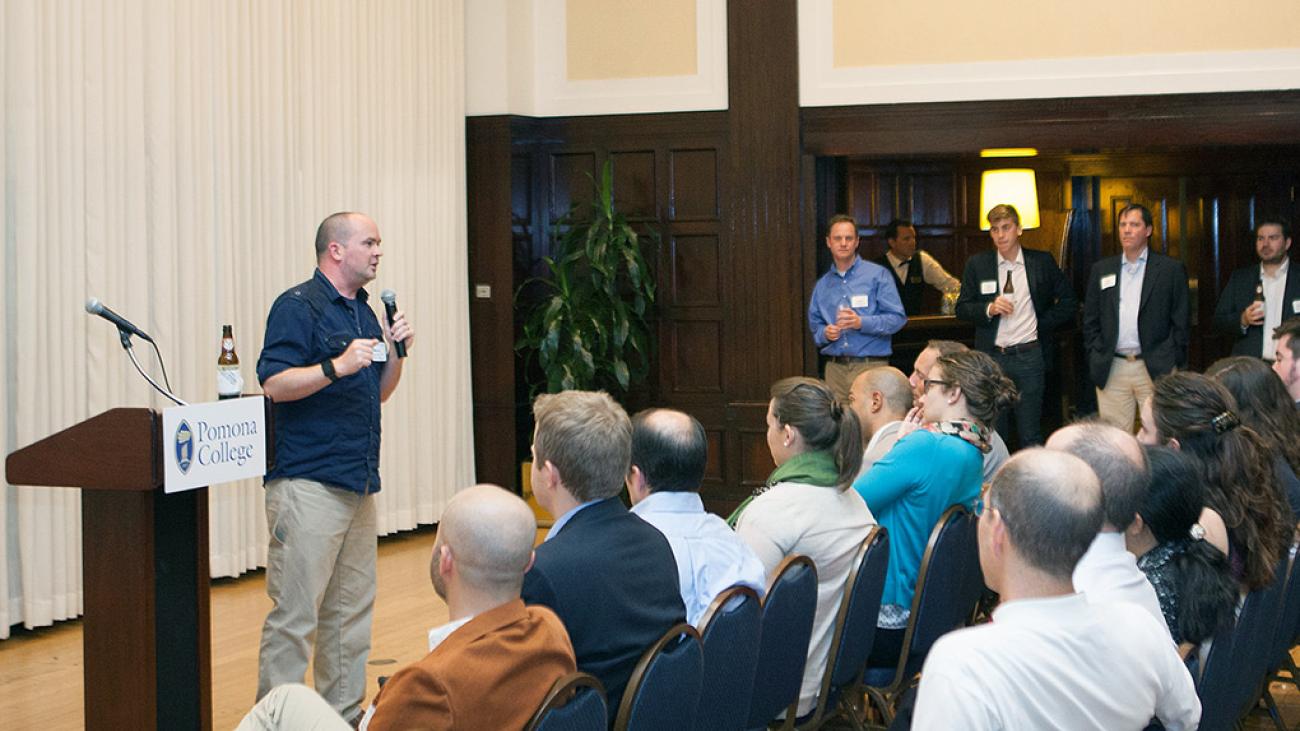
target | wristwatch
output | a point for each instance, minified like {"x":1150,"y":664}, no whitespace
{"x":327,"y":367}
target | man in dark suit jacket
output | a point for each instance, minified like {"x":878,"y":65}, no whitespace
{"x":1135,"y":321}
{"x":1240,"y":313}
{"x":610,"y":575}
{"x":1017,"y":298}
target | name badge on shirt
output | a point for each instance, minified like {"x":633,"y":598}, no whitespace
{"x":858,"y":300}
{"x":1108,"y":281}
{"x":989,"y":286}
{"x":379,"y":353}
{"x":1295,"y":306}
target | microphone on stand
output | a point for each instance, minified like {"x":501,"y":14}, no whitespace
{"x":95,"y":307}
{"x":390,"y":308}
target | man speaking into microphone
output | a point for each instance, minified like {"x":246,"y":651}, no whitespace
{"x":327,"y":363}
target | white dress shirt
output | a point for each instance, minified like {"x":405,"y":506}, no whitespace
{"x":710,"y":556}
{"x":1057,"y":663}
{"x":1021,"y":326}
{"x":1274,"y":292}
{"x":1131,"y":275}
{"x":824,"y":524}
{"x":1109,"y":573}
{"x":932,"y":272}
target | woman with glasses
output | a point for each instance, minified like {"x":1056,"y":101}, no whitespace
{"x":1193,"y":413}
{"x":936,"y":464}
{"x":805,"y":507}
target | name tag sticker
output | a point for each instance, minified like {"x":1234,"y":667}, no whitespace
{"x":379,"y":353}
{"x":858,"y":300}
{"x":1108,"y":281}
{"x":989,"y":286}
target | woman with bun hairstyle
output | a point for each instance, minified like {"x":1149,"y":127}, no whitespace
{"x":937,"y":463}
{"x":1193,"y":413}
{"x":805,"y":507}
{"x":1197,"y":592}
{"x":1264,"y":405}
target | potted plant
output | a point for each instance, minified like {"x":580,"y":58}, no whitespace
{"x":589,"y":328}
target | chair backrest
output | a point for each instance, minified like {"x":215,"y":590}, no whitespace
{"x":788,"y":611}
{"x":948,"y":586}
{"x":1288,"y":626}
{"x":1235,"y":669}
{"x":576,"y":702}
{"x":729,"y":633}
{"x":665,"y":686}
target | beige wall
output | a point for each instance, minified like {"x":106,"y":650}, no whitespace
{"x":628,"y":39}
{"x":960,"y":31}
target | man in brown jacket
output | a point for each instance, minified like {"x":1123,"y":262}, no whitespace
{"x":491,"y":665}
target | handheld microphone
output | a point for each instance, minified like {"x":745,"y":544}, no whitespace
{"x":390,"y":308}
{"x":95,"y":307}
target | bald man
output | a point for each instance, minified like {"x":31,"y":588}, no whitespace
{"x":1108,"y":572}
{"x":491,"y":665}
{"x":1050,"y":658}
{"x":881,"y":397}
{"x":669,"y":453}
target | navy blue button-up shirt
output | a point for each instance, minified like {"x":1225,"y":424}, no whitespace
{"x":331,"y":436}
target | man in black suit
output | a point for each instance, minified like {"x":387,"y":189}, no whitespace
{"x":1286,"y":339}
{"x":1135,"y":323}
{"x":912,"y":268}
{"x":1258,"y":298}
{"x":609,"y":575}
{"x":1017,"y":298}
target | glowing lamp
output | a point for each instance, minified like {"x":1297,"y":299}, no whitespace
{"x":1016,"y":187}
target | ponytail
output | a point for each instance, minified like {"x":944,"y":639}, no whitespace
{"x":808,"y":405}
{"x":848,"y":445}
{"x":1207,"y":593}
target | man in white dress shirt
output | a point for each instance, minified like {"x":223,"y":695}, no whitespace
{"x":881,"y":397}
{"x":669,"y":453}
{"x":1051,"y":659}
{"x":1108,"y":572}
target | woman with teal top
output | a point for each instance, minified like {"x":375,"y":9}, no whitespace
{"x":805,"y":507}
{"x":937,"y":463}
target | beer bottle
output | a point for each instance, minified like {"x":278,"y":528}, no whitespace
{"x":230,"y":384}
{"x":1259,"y":291}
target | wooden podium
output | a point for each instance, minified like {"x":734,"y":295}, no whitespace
{"x":144,"y":571}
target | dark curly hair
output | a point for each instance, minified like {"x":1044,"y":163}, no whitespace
{"x":1262,"y":403}
{"x":988,"y":390}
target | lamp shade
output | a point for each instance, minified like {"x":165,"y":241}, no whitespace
{"x":1018,"y":187}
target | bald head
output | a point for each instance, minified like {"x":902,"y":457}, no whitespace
{"x":335,"y":227}
{"x":895,"y":392}
{"x":670,"y":448}
{"x":490,"y":533}
{"x":1116,"y":459}
{"x":1051,"y":506}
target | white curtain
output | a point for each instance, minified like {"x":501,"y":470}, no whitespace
{"x":173,"y":159}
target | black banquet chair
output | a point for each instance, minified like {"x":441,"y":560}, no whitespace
{"x":729,"y":633}
{"x":788,"y":611}
{"x":576,"y":702}
{"x":665,"y":685}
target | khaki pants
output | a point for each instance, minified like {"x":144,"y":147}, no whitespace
{"x":320,"y":575}
{"x":839,"y":376}
{"x":1127,"y":386}
{"x":293,"y":707}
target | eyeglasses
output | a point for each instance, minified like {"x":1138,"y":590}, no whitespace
{"x":936,"y":382}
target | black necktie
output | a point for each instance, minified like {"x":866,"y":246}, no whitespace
{"x":1009,"y":288}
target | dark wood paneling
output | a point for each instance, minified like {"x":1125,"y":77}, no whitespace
{"x":570,"y":183}
{"x":695,"y":357}
{"x":694,"y":273}
{"x":634,"y":184}
{"x":694,"y":191}
{"x":495,"y":182}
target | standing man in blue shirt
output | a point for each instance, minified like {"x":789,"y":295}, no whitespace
{"x":854,"y":311}
{"x":325,"y":364}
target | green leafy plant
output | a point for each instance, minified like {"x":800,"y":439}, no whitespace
{"x":590,"y":330}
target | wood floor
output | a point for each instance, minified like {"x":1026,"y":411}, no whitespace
{"x":40,"y":671}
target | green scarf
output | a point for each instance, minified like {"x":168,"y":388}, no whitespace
{"x":809,"y":468}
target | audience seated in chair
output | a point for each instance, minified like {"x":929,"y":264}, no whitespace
{"x":1050,"y":658}
{"x":1264,"y":405}
{"x":489,"y":667}
{"x":997,"y":453}
{"x":608,"y":574}
{"x":1196,"y":591}
{"x":669,"y":452}
{"x":881,"y":397}
{"x":930,"y":469}
{"x":806,"y":507}
{"x":1197,"y":415}
{"x":1108,"y":572}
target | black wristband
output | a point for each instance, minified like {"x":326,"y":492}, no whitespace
{"x":327,"y":367}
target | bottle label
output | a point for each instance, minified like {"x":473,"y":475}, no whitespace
{"x":227,"y":344}
{"x":230,"y":382}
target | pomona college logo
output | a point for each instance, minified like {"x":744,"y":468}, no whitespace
{"x":184,"y":446}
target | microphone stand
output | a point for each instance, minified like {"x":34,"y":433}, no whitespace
{"x":130,"y":351}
